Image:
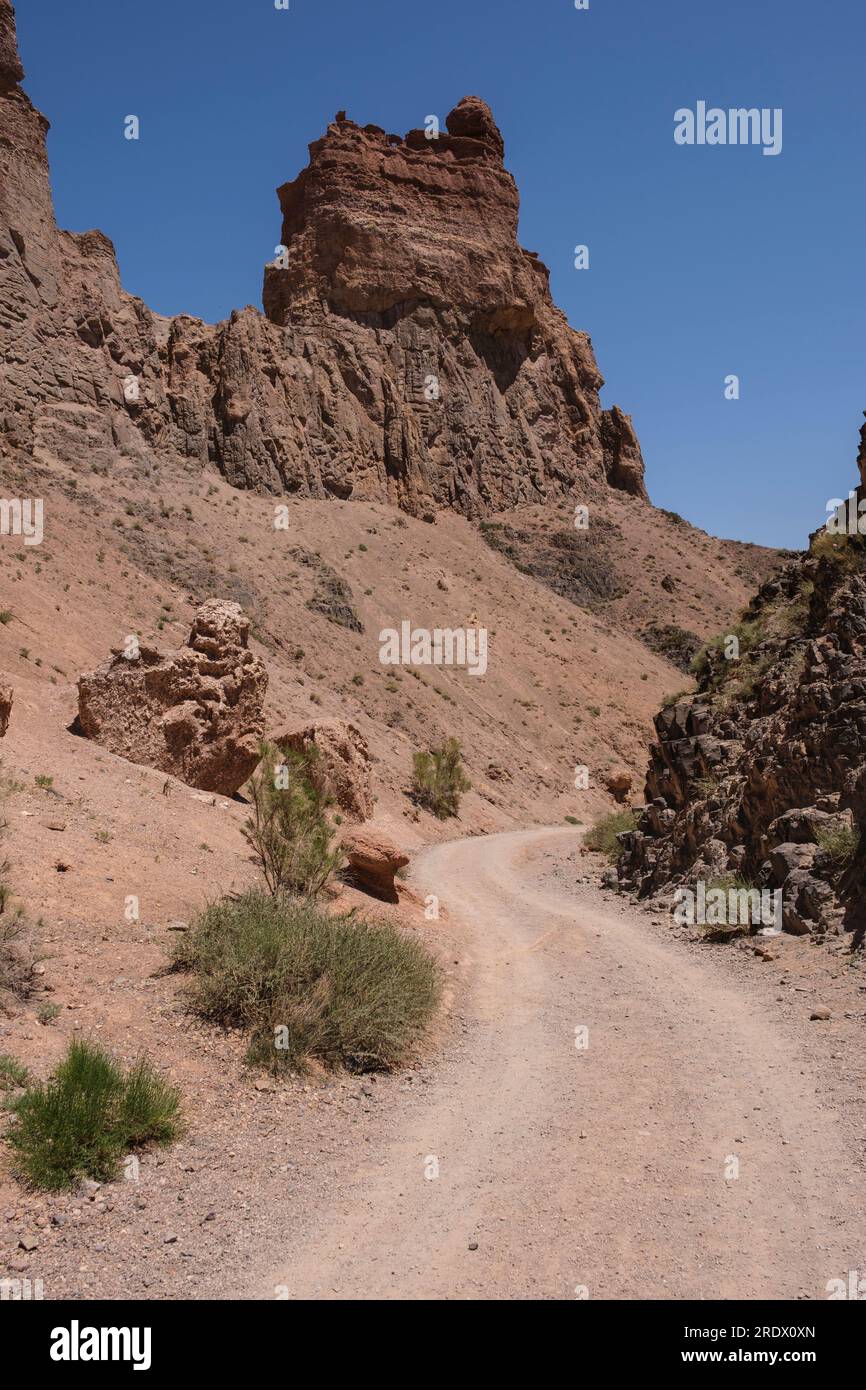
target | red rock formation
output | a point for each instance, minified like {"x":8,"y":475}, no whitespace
{"x":196,"y":713}
{"x":373,"y":861}
{"x":344,"y":762}
{"x":410,"y":351}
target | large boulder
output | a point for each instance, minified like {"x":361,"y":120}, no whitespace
{"x":373,"y":861}
{"x":196,"y":713}
{"x":343,"y":764}
{"x":618,"y":783}
{"x":5,"y":707}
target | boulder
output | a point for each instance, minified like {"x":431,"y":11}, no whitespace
{"x":343,"y":763}
{"x":784,"y":859}
{"x":800,"y":825}
{"x":618,"y":783}
{"x":373,"y":861}
{"x":196,"y":713}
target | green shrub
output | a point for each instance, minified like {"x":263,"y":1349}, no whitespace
{"x":438,"y":779}
{"x":79,"y":1123}
{"x":674,"y":698}
{"x":12,"y":1072}
{"x":17,"y":961}
{"x":748,"y":909}
{"x":288,"y":829}
{"x":602,"y":835}
{"x":341,"y":989}
{"x":839,"y":840}
{"x":838,"y":548}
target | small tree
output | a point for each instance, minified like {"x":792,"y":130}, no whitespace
{"x":288,"y":829}
{"x":438,"y":779}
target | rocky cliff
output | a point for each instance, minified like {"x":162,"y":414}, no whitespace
{"x":759,"y":779}
{"x":409,"y":352}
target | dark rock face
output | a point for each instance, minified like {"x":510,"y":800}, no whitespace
{"x":762,"y":774}
{"x":677,"y":644}
{"x":409,"y":352}
{"x":577,"y":567}
{"x":5,"y":708}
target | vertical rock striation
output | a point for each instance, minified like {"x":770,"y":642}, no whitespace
{"x":409,"y":352}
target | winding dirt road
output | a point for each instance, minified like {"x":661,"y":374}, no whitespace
{"x":686,"y":1151}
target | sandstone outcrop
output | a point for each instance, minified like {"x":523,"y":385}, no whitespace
{"x":196,"y":713}
{"x":343,"y":764}
{"x":618,"y":783}
{"x":761,"y":776}
{"x":373,"y":861}
{"x":409,"y":352}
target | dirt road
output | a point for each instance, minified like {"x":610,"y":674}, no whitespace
{"x":680,"y":1148}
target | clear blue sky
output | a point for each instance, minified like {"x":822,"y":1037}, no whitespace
{"x":704,"y":261}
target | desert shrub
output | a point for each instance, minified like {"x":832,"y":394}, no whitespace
{"x":677,"y":644}
{"x":342,"y":989}
{"x":748,"y":908}
{"x":839,"y":840}
{"x":80,"y":1122}
{"x":288,"y":829}
{"x":710,"y":659}
{"x":838,"y":548}
{"x":753,"y":673}
{"x":17,"y":960}
{"x":674,"y":698}
{"x":602,"y":835}
{"x":12,"y":1072}
{"x":706,"y":786}
{"x":438,"y":779}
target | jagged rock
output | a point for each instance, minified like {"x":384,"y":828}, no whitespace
{"x":373,"y":861}
{"x":409,"y":352}
{"x":343,"y":764}
{"x":11,"y":70}
{"x":772,"y":749}
{"x":800,"y":825}
{"x":5,"y":707}
{"x":196,"y":713}
{"x":785,"y":858}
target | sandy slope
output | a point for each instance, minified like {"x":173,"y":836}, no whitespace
{"x":601,"y":1169}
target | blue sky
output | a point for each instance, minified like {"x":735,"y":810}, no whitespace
{"x":703,"y":261}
